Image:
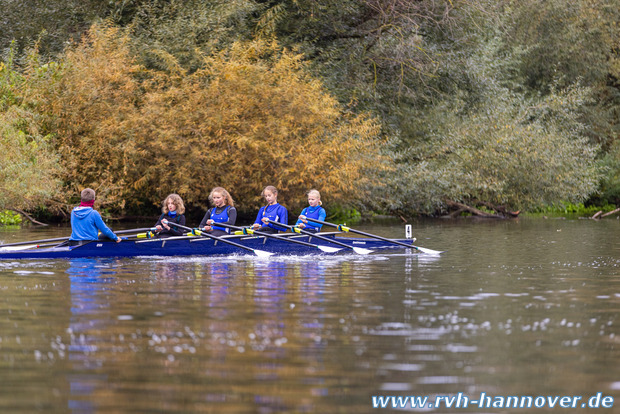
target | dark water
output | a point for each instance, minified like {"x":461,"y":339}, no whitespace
{"x":527,"y":307}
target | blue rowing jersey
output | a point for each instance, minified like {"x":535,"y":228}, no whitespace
{"x":222,"y":217}
{"x":317,"y":213}
{"x":274,"y":212}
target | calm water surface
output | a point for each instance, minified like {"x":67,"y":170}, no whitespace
{"x":524,"y":307}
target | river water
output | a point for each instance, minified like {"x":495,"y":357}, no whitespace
{"x":526,"y":307}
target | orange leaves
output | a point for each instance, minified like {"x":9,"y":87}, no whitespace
{"x":250,"y":117}
{"x":94,"y":94}
{"x":259,"y":119}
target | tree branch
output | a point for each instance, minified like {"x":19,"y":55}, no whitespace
{"x":464,"y":207}
{"x":611,"y":212}
{"x":23,"y":213}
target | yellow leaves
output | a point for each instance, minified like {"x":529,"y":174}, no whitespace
{"x":250,"y":117}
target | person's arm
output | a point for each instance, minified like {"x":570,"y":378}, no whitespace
{"x":176,"y":230}
{"x":322,"y":217}
{"x":259,"y":217}
{"x":205,"y":218}
{"x":303,"y":213}
{"x":232,"y":216}
{"x":284,"y":215}
{"x":159,"y":225}
{"x":105,"y":230}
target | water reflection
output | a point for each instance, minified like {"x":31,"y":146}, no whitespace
{"x":511,"y":309}
{"x":90,"y":281}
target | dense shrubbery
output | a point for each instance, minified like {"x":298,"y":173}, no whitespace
{"x":28,"y":163}
{"x":250,"y":117}
{"x":383,"y":105}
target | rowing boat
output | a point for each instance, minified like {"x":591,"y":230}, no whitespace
{"x":197,"y":246}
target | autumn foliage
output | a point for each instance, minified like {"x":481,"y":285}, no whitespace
{"x":250,"y":117}
{"x":511,"y":105}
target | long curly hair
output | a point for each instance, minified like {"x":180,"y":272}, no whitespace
{"x":177,"y":201}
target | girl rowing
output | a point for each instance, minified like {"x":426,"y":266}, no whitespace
{"x":223,"y":212}
{"x":272,"y":211}
{"x":313,"y":211}
{"x":172,"y":211}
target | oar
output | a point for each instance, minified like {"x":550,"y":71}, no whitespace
{"x":24,"y":247}
{"x":259,"y":253}
{"x":325,"y":249}
{"x":28,"y":247}
{"x":359,"y":250}
{"x":347,"y":229}
{"x":66,"y":238}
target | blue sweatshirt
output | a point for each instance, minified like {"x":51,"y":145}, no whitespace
{"x":274,"y":212}
{"x":317,"y":213}
{"x":86,"y":224}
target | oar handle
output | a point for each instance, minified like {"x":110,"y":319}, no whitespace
{"x":288,"y":226}
{"x":195,"y":232}
{"x":133,"y":230}
{"x":210,"y":236}
{"x":326,"y":223}
{"x":260,"y":233}
{"x":298,"y":230}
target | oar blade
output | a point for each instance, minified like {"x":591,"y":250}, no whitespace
{"x":11,"y":248}
{"x":361,"y":250}
{"x":328,"y":249}
{"x":262,"y":253}
{"x":428,"y":251}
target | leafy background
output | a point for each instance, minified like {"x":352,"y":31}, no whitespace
{"x":383,"y":105}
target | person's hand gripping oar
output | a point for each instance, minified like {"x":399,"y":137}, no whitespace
{"x":260,"y":253}
{"x":358,"y":250}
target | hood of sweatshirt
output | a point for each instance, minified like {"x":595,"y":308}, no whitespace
{"x":83,"y":212}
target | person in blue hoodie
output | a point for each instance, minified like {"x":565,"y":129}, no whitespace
{"x":86,"y":222}
{"x":272,"y":211}
{"x":313,"y":211}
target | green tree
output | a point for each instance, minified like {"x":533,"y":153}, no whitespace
{"x":186,"y":30}
{"x":55,"y":22}
{"x":370,"y":53}
{"x":506,"y":151}
{"x":559,"y":43}
{"x":28,"y":163}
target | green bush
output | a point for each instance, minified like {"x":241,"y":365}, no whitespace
{"x":576,"y":209}
{"x":8,"y":218}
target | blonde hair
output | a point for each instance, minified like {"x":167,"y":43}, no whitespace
{"x":177,"y":201}
{"x":227,"y":197}
{"x":271,"y":189}
{"x":87,"y":194}
{"x":316,"y":194}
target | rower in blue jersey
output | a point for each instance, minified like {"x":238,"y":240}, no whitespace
{"x":313,"y":211}
{"x":223,"y":212}
{"x":272,"y":211}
